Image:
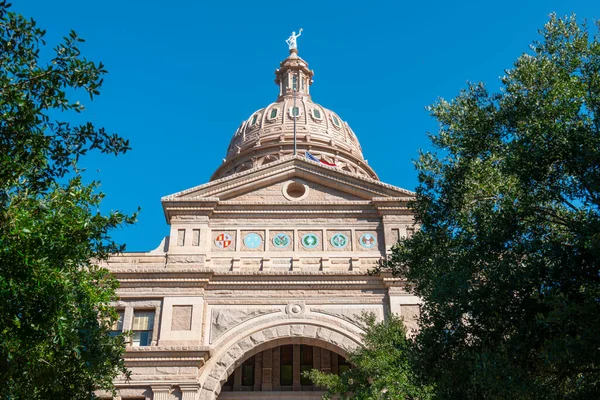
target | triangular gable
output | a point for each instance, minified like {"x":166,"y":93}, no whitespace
{"x":273,"y":192}
{"x":325,"y":180}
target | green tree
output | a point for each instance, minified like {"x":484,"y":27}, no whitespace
{"x":508,"y":252}
{"x":380,"y":370}
{"x":55,"y":311}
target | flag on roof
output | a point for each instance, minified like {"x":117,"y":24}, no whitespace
{"x":313,"y":158}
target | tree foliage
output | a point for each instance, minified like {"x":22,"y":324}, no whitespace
{"x":380,"y":370}
{"x":508,"y":253}
{"x":55,"y":311}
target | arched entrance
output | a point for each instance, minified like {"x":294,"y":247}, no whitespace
{"x":324,"y":340}
{"x":277,"y":372}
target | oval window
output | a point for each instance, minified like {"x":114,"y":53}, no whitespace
{"x":336,"y":121}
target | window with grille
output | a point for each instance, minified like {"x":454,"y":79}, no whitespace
{"x":143,"y":324}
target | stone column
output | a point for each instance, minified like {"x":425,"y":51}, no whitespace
{"x":237,"y":379}
{"x":267,"y":370}
{"x":296,"y":369}
{"x":257,"y":371}
{"x":161,"y":393}
{"x":189,"y":392}
{"x":325,"y":361}
{"x":276,"y":369}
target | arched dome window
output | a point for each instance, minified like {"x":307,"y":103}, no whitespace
{"x":316,"y":114}
{"x":336,"y":121}
{"x":295,"y":112}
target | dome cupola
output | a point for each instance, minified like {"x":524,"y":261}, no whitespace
{"x":268,"y":134}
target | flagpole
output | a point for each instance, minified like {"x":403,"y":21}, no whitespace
{"x":295,"y":85}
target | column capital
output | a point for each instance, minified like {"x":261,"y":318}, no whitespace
{"x":161,"y":392}
{"x":189,"y":391}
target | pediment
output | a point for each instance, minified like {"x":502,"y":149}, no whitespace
{"x":266,"y":184}
{"x":275,"y":192}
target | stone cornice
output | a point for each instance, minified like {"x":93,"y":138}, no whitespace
{"x":166,"y":356}
{"x":295,"y":281}
{"x":205,"y":279}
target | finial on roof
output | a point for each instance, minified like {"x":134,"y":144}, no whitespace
{"x":291,"y":41}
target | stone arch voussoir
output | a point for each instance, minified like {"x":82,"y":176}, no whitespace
{"x":308,"y":332}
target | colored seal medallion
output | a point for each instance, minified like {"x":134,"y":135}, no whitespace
{"x":223,"y":240}
{"x":339,"y":240}
{"x":252,"y":241}
{"x":281,"y":240}
{"x":367,"y":240}
{"x":310,"y":241}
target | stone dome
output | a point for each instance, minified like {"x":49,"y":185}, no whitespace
{"x":268,"y":134}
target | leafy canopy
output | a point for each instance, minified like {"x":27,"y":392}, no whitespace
{"x":55,"y":311}
{"x":380,"y":370}
{"x":507,"y":256}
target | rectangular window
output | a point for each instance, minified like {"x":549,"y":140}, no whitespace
{"x":273,"y":113}
{"x":248,"y":372}
{"x":306,"y":363}
{"x":295,"y":82}
{"x":117,"y":327}
{"x":295,"y":111}
{"x":143,"y":324}
{"x":286,"y":368}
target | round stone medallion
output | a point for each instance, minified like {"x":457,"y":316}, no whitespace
{"x":310,"y":241}
{"x":339,"y":240}
{"x":223,"y":240}
{"x":294,"y":309}
{"x":367,"y":240}
{"x":281,"y":240}
{"x":252,"y":240}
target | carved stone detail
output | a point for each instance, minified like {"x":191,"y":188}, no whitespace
{"x":353,"y":316}
{"x":295,"y":308}
{"x":223,"y":320}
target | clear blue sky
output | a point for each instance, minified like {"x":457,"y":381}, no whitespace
{"x":378,"y":64}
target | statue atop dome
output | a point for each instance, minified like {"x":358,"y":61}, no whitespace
{"x":291,"y":41}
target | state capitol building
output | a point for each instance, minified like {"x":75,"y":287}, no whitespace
{"x":264,"y":273}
